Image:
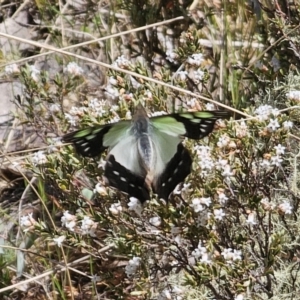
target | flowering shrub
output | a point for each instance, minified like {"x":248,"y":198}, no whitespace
{"x":222,"y":229}
{"x":230,"y":231}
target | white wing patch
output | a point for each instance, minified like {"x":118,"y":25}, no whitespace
{"x":125,"y":152}
{"x":164,"y":148}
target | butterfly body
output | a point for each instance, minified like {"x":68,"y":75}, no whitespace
{"x":145,"y":153}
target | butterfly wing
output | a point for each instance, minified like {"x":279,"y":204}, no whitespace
{"x":92,"y":141}
{"x":126,"y":181}
{"x":122,"y":170}
{"x":193,"y":125}
{"x":173,"y":160}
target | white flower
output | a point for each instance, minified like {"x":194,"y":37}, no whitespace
{"x":111,"y":91}
{"x":227,"y":253}
{"x":239,"y":297}
{"x":251,"y":219}
{"x":135,"y":205}
{"x":97,"y":107}
{"x":279,"y":149}
{"x":171,"y":56}
{"x":209,"y":106}
{"x":206,"y":201}
{"x":230,"y":255}
{"x":223,"y":141}
{"x":196,"y":205}
{"x":205,"y":259}
{"x":221,"y":164}
{"x":219,"y":214}
{"x":236,"y":255}
{"x":198,"y":75}
{"x":263,"y":112}
{"x":191,"y":102}
{"x":293,"y":95}
{"x":71,"y":119}
{"x":273,"y":125}
{"x":222,"y":198}
{"x":114,"y":108}
{"x":55,"y":108}
{"x":112,"y":80}
{"x":132,"y":266}
{"x":116,"y":208}
{"x":39,"y":158}
{"x":27,"y":222}
{"x":88,"y":226}
{"x":285,"y":207}
{"x":199,"y":251}
{"x":202,"y":150}
{"x":115,"y":119}
{"x":73,"y":69}
{"x":202,"y":218}
{"x":12,"y":69}
{"x":195,"y":59}
{"x":227,"y":171}
{"x":265,"y":163}
{"x":276,"y":161}
{"x":241,"y":129}
{"x":206,"y":164}
{"x":68,"y":220}
{"x":155,"y":221}
{"x":59,"y":240}
{"x":34,"y":72}
{"x":182,"y":75}
{"x":121,"y":62}
{"x":171,"y":293}
{"x":77,"y":111}
{"x":100,"y":189}
{"x":287,"y":125}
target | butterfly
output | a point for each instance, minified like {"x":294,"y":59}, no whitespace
{"x":145,"y":153}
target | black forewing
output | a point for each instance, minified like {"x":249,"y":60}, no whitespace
{"x":88,"y":141}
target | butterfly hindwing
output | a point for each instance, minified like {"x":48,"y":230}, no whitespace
{"x":125,"y":181}
{"x":176,"y":170}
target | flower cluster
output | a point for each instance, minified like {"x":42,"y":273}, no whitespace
{"x":27,"y":222}
{"x":88,"y":226}
{"x":200,"y":204}
{"x":230,"y":255}
{"x":201,"y":254}
{"x":264,"y":112}
{"x":132,"y":266}
{"x":293,"y":95}
{"x":39,"y":158}
{"x":73,"y":69}
{"x":116,"y":208}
